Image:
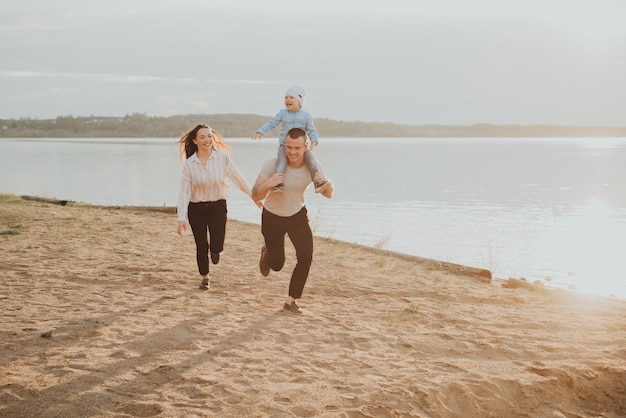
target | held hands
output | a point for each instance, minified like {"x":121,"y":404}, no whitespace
{"x":257,"y":136}
{"x":312,"y":145}
{"x":182,"y":226}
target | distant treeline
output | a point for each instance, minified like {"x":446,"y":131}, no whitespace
{"x":138,"y":125}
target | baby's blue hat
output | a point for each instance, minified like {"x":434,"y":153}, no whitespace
{"x":296,"y":92}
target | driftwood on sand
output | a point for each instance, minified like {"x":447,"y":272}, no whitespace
{"x":164,"y":209}
{"x":480,"y":274}
{"x":519,"y":284}
{"x":45,"y":200}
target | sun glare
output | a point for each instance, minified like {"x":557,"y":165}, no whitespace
{"x":587,"y":248}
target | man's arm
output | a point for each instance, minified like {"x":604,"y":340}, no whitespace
{"x":262,"y":185}
{"x":328,"y":192}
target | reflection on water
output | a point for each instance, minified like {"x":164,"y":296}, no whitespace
{"x":530,"y":208}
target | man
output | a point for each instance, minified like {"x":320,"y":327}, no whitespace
{"x":285,"y":213}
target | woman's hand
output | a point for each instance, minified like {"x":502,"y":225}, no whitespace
{"x":182,"y":226}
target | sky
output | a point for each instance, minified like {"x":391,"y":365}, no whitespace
{"x":418,"y":62}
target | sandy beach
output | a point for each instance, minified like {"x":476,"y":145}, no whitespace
{"x":102,"y":317}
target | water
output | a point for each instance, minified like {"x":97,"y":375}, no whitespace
{"x":540,"y":209}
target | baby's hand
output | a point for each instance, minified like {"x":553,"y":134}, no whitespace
{"x":257,"y":136}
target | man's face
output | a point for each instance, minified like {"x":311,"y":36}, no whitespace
{"x":294,"y":148}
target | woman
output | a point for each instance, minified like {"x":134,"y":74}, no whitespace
{"x":206,"y":164}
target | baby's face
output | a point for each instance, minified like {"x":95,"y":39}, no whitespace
{"x":292,"y":104}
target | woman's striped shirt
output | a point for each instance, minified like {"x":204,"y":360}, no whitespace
{"x":206,"y":182}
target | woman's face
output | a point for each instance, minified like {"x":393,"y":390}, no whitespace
{"x":204,"y":139}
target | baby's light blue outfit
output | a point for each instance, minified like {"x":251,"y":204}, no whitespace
{"x":289,"y":120}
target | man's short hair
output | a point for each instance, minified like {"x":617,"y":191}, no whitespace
{"x":295,"y":133}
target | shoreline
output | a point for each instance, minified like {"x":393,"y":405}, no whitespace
{"x":102,"y":317}
{"x":478,"y":273}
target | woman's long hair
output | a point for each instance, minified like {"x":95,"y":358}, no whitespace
{"x":188,"y":147}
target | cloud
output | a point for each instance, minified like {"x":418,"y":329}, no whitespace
{"x":122,"y":78}
{"x":38,"y":94}
{"x":99,"y":77}
{"x":410,"y":68}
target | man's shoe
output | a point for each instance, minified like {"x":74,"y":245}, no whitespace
{"x":293,"y":307}
{"x":322,"y":185}
{"x":205,"y":284}
{"x":265,"y":269}
{"x":215,"y":258}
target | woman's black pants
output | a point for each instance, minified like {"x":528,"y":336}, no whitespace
{"x":211,"y":217}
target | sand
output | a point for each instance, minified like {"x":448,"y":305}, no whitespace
{"x":101,"y":317}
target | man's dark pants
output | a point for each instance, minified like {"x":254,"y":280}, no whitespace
{"x":274,"y":228}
